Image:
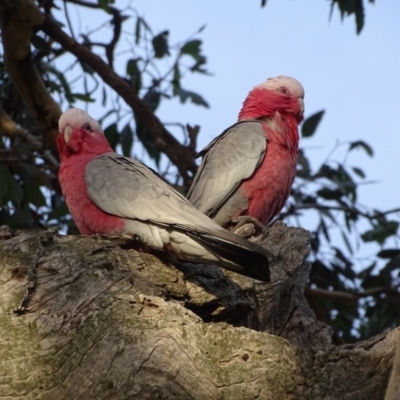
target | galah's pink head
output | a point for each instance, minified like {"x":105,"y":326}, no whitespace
{"x":282,"y":93}
{"x":80,"y":133}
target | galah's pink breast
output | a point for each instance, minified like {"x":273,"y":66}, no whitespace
{"x":268,"y":189}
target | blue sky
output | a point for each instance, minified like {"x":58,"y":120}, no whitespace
{"x":354,"y":78}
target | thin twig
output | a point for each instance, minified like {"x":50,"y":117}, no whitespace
{"x":10,"y":129}
{"x":84,"y":3}
{"x":345,"y":209}
{"x":349,"y":296}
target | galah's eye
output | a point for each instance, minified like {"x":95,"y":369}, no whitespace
{"x":87,"y":127}
{"x":284,"y":90}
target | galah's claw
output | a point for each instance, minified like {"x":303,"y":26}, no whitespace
{"x":247,"y":226}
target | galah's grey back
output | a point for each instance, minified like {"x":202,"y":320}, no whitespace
{"x":158,"y":214}
{"x":229,"y":159}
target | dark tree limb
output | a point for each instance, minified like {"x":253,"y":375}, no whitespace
{"x":9,"y":128}
{"x":88,"y":318}
{"x":181,"y":156}
{"x":19,"y":20}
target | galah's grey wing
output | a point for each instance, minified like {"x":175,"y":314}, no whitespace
{"x":228,"y":160}
{"x":124,"y":187}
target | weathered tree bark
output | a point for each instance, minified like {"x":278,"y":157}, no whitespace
{"x":393,"y":389}
{"x":87,"y":318}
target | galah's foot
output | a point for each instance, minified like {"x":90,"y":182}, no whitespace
{"x":126,"y":241}
{"x":247,"y":226}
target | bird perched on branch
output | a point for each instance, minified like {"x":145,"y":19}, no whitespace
{"x":249,"y":169}
{"x":108,"y":193}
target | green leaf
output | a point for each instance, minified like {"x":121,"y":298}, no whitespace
{"x":358,"y":172}
{"x":10,"y":190}
{"x":25,"y":147}
{"x":363,"y":145}
{"x":62,"y":80}
{"x":40,"y":43}
{"x":374,"y":281}
{"x":192,"y":48}
{"x":86,"y":67}
{"x":330,"y":194}
{"x":132,"y":70}
{"x":346,"y":262}
{"x":111,"y":133}
{"x":355,"y":7}
{"x":138,"y":29}
{"x":195,"y":98}
{"x":21,"y":219}
{"x":160,"y":44}
{"x":31,"y":187}
{"x":311,"y":123}
{"x":176,"y":80}
{"x":346,"y":183}
{"x":324,"y":229}
{"x":126,"y":140}
{"x":104,"y":4}
{"x":104,"y":97}
{"x":58,"y":212}
{"x":131,"y":67}
{"x":148,"y":144}
{"x":381,"y":232}
{"x":83,"y":97}
{"x":140,"y":22}
{"x":198,"y":65}
{"x":389,"y":253}
{"x":347,"y":242}
{"x":366,"y":271}
{"x":325,"y":171}
{"x":304,"y":170}
{"x":152,"y":98}
{"x":34,"y":195}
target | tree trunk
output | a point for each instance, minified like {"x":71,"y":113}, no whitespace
{"x":89,"y":318}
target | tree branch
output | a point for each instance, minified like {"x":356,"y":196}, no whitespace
{"x":393,"y":389}
{"x":181,"y":156}
{"x":85,"y":318}
{"x":85,"y":4}
{"x":349,"y":297}
{"x":354,"y":210}
{"x":9,"y":128}
{"x":20,"y":19}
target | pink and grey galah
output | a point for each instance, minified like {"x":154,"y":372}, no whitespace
{"x":249,"y":169}
{"x":108,"y":193}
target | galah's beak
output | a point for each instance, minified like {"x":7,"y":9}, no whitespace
{"x":67,"y":133}
{"x":301,"y":104}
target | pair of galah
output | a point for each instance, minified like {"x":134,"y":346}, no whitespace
{"x":247,"y":170}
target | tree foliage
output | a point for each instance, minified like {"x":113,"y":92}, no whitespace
{"x":47,"y":63}
{"x":346,"y":9}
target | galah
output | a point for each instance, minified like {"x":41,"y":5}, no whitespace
{"x":249,"y":169}
{"x":107,"y":193}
